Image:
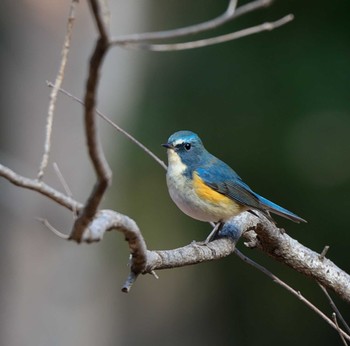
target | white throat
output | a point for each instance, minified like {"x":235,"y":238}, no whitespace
{"x":176,"y":167}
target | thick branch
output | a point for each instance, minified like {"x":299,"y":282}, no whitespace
{"x":107,"y":220}
{"x":196,"y":252}
{"x":279,"y":245}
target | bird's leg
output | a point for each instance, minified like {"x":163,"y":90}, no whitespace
{"x":214,"y":232}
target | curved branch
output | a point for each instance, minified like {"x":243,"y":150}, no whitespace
{"x":107,"y":220}
{"x":98,"y":159}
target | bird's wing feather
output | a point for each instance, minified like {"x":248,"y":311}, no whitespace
{"x":227,"y":182}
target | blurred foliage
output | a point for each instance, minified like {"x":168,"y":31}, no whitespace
{"x":274,"y":106}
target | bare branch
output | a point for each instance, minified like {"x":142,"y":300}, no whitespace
{"x":324,"y":252}
{"x":211,"y":41}
{"x":230,"y":14}
{"x":107,"y":220}
{"x":52,"y":229}
{"x":334,"y":317}
{"x":190,"y":254}
{"x":297,"y":294}
{"x":65,"y":185}
{"x":97,"y":157}
{"x":335,"y":309}
{"x":280,"y":246}
{"x":62,"y":180}
{"x":101,"y":17}
{"x":39,"y":187}
{"x":117,"y":127}
{"x":56,"y":86}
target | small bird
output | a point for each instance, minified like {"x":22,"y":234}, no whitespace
{"x":207,"y":189}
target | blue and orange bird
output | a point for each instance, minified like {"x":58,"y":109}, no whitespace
{"x":207,"y":189}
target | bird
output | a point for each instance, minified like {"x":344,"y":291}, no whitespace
{"x":207,"y":189}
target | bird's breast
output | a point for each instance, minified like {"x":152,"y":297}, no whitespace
{"x":195,"y":198}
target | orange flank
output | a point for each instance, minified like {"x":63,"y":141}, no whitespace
{"x":209,"y":195}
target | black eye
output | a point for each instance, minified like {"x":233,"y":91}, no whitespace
{"x":187,"y":146}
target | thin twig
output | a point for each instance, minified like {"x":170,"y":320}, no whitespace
{"x":324,"y":252}
{"x":154,"y":274}
{"x":64,"y":184}
{"x":129,"y":282}
{"x":335,"y":308}
{"x":211,"y":41}
{"x":334,"y":317}
{"x":62,"y":180}
{"x":56,"y":86}
{"x":297,"y":294}
{"x":52,"y":229}
{"x":117,"y":127}
{"x":231,"y":13}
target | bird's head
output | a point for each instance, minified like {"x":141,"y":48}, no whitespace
{"x":186,"y":148}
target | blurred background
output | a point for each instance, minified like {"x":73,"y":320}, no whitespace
{"x":275,"y":106}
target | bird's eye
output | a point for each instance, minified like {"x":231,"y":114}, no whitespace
{"x":187,"y":146}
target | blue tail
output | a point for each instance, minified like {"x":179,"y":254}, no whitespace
{"x":276,"y":209}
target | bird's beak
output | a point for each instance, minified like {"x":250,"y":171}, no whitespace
{"x":168,"y":146}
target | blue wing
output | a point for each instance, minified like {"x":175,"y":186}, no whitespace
{"x":225,"y":180}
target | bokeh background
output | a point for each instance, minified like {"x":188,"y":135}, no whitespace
{"x":275,"y":106}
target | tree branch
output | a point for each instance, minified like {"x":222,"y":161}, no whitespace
{"x":297,"y":294}
{"x":211,"y":41}
{"x":230,"y":14}
{"x":103,"y":172}
{"x":56,"y":86}
{"x":335,"y":309}
{"x":283,"y":248}
{"x":40,"y":187}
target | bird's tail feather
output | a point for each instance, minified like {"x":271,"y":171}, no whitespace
{"x":276,"y":209}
